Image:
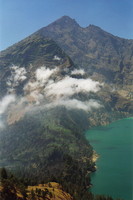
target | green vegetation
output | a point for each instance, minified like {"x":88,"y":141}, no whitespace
{"x":38,"y":153}
{"x":13,"y":189}
{"x":33,"y":147}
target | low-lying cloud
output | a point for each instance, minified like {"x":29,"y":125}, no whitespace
{"x":56,"y":57}
{"x":78,"y":71}
{"x":41,"y":80}
{"x":18,"y":75}
{"x":75,"y":104}
{"x":4,"y":103}
{"x":61,"y":92}
{"x":69,"y":86}
{"x":43,"y":74}
{"x":47,"y":89}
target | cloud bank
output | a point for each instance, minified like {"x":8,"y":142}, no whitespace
{"x":75,"y":104}
{"x":69,"y":86}
{"x":43,"y":74}
{"x":78,"y":71}
{"x":46,"y":88}
{"x":61,"y":92}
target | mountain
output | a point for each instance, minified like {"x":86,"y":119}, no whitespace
{"x":104,"y":57}
{"x":55,"y":84}
{"x":101,"y":56}
{"x":41,"y":120}
{"x":30,"y":53}
{"x":94,"y":50}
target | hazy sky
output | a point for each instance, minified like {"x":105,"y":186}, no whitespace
{"x":20,"y":18}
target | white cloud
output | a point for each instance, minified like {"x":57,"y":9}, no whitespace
{"x":44,"y":89}
{"x":18,"y":75}
{"x":75,"y":104}
{"x":56,"y":58}
{"x":60,"y":93}
{"x":41,"y":79}
{"x":70,"y":86}
{"x":43,"y":74}
{"x":78,"y":71}
{"x":5,"y":102}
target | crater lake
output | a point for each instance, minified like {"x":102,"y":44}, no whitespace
{"x":114,"y":144}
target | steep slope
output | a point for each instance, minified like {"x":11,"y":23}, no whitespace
{"x":42,"y":118}
{"x":94,"y":49}
{"x":104,"y":57}
{"x":29,"y":54}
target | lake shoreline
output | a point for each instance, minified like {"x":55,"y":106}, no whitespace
{"x":95,"y":156}
{"x":110,"y":143}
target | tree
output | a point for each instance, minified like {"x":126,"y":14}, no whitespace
{"x":33,"y":196}
{"x":8,"y":191}
{"x":3,"y":174}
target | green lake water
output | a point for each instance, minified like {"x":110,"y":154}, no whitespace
{"x":114,"y":144}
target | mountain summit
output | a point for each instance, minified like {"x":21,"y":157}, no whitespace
{"x":94,"y":49}
{"x":65,"y":21}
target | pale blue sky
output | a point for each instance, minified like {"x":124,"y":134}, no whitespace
{"x":20,"y":18}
